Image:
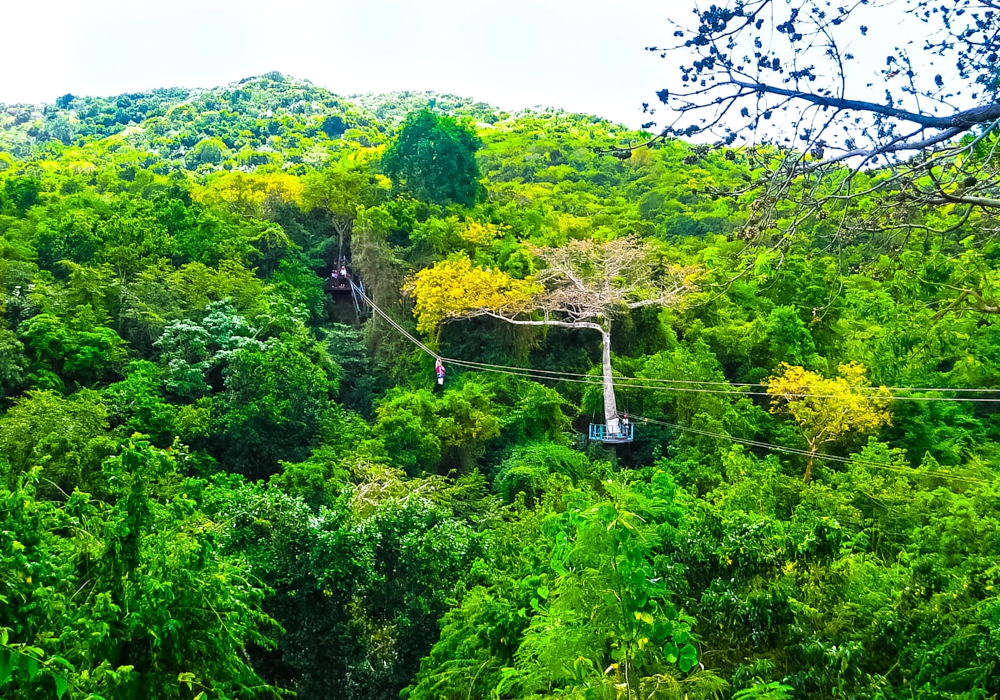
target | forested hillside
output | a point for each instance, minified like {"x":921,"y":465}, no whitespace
{"x":222,"y":477}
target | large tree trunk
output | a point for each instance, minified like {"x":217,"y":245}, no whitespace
{"x":610,"y":406}
{"x":611,"y":422}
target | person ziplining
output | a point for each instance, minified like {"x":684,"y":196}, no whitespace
{"x":439,"y":372}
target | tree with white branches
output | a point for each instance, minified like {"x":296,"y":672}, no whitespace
{"x":583,"y":285}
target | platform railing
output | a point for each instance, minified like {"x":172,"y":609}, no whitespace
{"x":599,"y":431}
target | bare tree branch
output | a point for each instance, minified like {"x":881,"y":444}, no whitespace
{"x":957,"y":122}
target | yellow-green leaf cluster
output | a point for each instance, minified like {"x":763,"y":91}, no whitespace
{"x":481,"y":234}
{"x":455,"y":287}
{"x":826,"y":409}
{"x":249,"y":194}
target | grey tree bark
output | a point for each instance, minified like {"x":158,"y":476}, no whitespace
{"x":611,"y":421}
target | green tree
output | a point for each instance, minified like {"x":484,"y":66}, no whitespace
{"x":271,"y":408}
{"x":529,"y":469}
{"x":211,"y":151}
{"x":309,"y":563}
{"x":167,"y":615}
{"x":434,"y":159}
{"x":423,"y":432}
{"x":194,"y":353}
{"x":607,"y":622}
{"x":138,"y":405}
{"x":406,"y":421}
{"x":65,"y":438}
{"x":12,"y":361}
{"x":338,"y":191}
{"x":79,"y":348}
{"x":417,"y":552}
{"x":19,"y":194}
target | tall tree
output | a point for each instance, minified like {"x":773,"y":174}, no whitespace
{"x":339,"y":190}
{"x":584,"y":285}
{"x":434,"y":159}
{"x":19,"y":194}
{"x":827,"y":409}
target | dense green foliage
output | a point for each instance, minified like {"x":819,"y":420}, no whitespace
{"x":219,"y":481}
{"x":434,"y":159}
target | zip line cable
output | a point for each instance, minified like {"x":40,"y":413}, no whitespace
{"x":804,"y":453}
{"x":630,"y":383}
{"x":393,"y":323}
{"x":730,"y":384}
{"x":633,"y":383}
{"x":534,"y":374}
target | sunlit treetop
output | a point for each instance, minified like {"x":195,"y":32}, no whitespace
{"x":827,"y":409}
{"x":455,"y":287}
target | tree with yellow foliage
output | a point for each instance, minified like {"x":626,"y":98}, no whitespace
{"x":251,"y":194}
{"x":339,"y":190}
{"x":826,"y":409}
{"x":454,"y":288}
{"x":583,"y":285}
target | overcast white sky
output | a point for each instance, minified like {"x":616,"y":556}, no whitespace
{"x":581,"y":55}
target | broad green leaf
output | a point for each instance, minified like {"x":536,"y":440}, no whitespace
{"x":661,"y":630}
